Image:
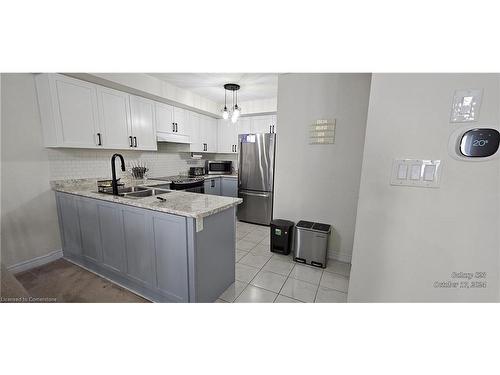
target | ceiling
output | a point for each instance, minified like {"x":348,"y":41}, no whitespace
{"x":254,"y":86}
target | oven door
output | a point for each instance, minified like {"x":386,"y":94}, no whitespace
{"x":196,"y":189}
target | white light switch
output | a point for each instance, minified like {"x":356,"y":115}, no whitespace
{"x":415,"y":171}
{"x":429,"y":171}
{"x":402,"y":171}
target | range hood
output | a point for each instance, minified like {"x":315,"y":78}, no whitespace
{"x":173,"y":138}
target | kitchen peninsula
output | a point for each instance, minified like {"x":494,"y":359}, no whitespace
{"x":170,"y":246}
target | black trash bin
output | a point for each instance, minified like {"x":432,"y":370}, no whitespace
{"x":281,"y":236}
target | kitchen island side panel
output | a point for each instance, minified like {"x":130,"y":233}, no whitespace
{"x":215,"y":255}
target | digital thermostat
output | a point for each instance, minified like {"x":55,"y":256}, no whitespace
{"x":479,"y":143}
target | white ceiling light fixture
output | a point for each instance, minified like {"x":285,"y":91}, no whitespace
{"x":235,"y":110}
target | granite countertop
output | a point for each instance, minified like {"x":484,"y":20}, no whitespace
{"x":179,"y":203}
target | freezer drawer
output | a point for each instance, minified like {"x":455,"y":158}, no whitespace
{"x":257,"y":207}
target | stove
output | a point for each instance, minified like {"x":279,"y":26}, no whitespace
{"x":189,"y":184}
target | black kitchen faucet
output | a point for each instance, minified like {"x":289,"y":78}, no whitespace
{"x":114,"y":182}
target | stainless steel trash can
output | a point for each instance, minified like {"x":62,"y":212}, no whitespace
{"x":311,"y":243}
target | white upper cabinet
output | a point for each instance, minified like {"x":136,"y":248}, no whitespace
{"x":197,"y":145}
{"x":143,"y":123}
{"x":165,"y":118}
{"x":244,"y":125}
{"x":80,"y":114}
{"x":114,"y":118}
{"x":227,"y":137}
{"x":181,"y":120}
{"x":210,"y":133}
{"x":68,"y":110}
{"x":262,"y":124}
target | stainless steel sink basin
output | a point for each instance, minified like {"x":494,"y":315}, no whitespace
{"x":144,"y":193}
{"x":137,"y":192}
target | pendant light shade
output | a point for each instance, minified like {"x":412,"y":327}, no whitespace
{"x":235,"y":110}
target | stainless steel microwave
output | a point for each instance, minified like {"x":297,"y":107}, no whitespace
{"x":218,"y":166}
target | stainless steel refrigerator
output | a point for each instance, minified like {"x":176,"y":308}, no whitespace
{"x":256,"y":177}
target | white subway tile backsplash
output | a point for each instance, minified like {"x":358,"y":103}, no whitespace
{"x":170,"y":159}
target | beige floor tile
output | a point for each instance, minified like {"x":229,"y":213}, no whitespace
{"x":325,"y":295}
{"x":338,"y":267}
{"x":234,"y":290}
{"x":256,"y":261}
{"x":255,"y":294}
{"x":334,"y":281}
{"x":240,"y":254}
{"x":261,"y":250}
{"x":245,"y":273}
{"x":301,"y":290}
{"x":254,"y":237}
{"x":307,"y":273}
{"x":278,"y":266}
{"x":284,"y":299}
{"x":269,"y":281}
{"x":245,"y":245}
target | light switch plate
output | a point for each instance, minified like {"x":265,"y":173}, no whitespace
{"x":466,"y":104}
{"x":419,"y":173}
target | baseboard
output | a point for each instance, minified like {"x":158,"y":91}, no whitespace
{"x":35,"y":262}
{"x":341,"y":257}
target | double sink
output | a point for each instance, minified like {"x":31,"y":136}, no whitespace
{"x":138,"y":191}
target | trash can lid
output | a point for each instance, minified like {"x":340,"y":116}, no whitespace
{"x":282,"y":223}
{"x":305,"y":224}
{"x":321,"y":227}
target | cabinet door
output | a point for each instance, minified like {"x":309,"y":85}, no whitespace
{"x":228,"y":138}
{"x":143,"y":123}
{"x":262,"y":124}
{"x":164,"y":118}
{"x":138,"y":247}
{"x":229,"y":187}
{"x":171,"y":256}
{"x":69,"y":224}
{"x":114,"y":118}
{"x":195,"y":133}
{"x":75,"y":106}
{"x":211,"y":126}
{"x":244,"y":125}
{"x":274,"y":123}
{"x":181,"y":120}
{"x":89,"y":229}
{"x":112,"y":236}
{"x":212,"y":186}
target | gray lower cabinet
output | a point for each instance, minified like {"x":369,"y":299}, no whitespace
{"x":89,"y":229}
{"x":229,"y":187}
{"x":158,"y":255}
{"x":138,"y":245}
{"x":212,"y":186}
{"x":110,"y":221}
{"x":170,"y":243}
{"x":69,"y":224}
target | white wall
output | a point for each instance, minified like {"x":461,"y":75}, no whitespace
{"x":320,"y":182}
{"x":407,"y":238}
{"x":29,"y":219}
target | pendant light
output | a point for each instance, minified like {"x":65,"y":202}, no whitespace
{"x":225,"y":113}
{"x":235,"y":110}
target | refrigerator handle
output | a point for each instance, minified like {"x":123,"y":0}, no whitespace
{"x":262,"y":195}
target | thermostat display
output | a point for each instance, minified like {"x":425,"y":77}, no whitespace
{"x":480,"y":143}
